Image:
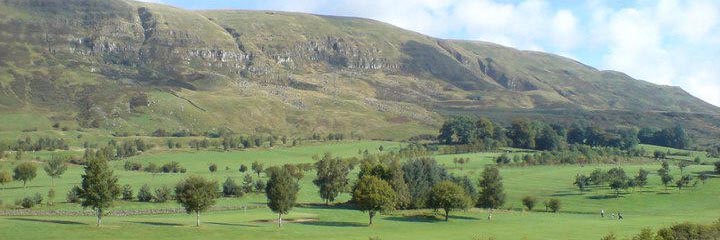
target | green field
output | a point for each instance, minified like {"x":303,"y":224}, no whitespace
{"x":579,"y":218}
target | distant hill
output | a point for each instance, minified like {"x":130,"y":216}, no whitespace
{"x":135,"y":67}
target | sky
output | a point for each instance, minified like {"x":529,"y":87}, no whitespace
{"x":668,"y":42}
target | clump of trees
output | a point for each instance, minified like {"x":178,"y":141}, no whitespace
{"x":482,"y":134}
{"x":331,"y":176}
{"x":674,"y":137}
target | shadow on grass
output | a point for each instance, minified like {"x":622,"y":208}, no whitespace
{"x":333,"y":224}
{"x":602,"y":197}
{"x":415,"y":218}
{"x":663,"y":193}
{"x":231,"y":224}
{"x":323,"y":206}
{"x":157,"y":223}
{"x":565,"y":194}
{"x":20,"y":187}
{"x":463,"y":217}
{"x":48,"y":221}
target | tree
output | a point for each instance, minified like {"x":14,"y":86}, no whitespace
{"x":717,"y":167}
{"x":196,"y":195}
{"x":420,"y":175}
{"x":641,"y":178}
{"x":144,"y":194}
{"x":484,"y":128}
{"x":491,"y":188}
{"x":257,"y":168}
{"x":25,"y":172}
{"x":522,"y":134}
{"x":598,"y":177}
{"x":5,"y":177}
{"x":682,"y":165}
{"x":247,"y":183}
{"x":281,"y":192}
{"x":683,"y":181}
{"x":127,"y":192}
{"x":230,"y":188}
{"x":448,"y":196}
{"x":618,"y":180}
{"x":665,"y":177}
{"x":331,"y":177}
{"x":529,"y":202}
{"x":458,"y":129}
{"x":582,"y":181}
{"x":212,"y":168}
{"x":243,"y":168}
{"x":99,"y":186}
{"x":548,"y":140}
{"x":373,"y":195}
{"x":554,"y":205}
{"x":54,"y":168}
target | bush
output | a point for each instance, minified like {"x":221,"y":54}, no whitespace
{"x":529,"y":202}
{"x":73,"y":196}
{"x":260,"y":185}
{"x":717,"y":167}
{"x":243,"y":168}
{"x":37,"y":198}
{"x":503,"y":159}
{"x":553,"y":204}
{"x":163,"y":194}
{"x":127,"y":192}
{"x":230,"y":188}
{"x":151,"y":168}
{"x":132,"y":166}
{"x":144,"y":194}
{"x":212,"y":168}
{"x":172,"y":167}
{"x":50,"y":195}
{"x":26,"y":202}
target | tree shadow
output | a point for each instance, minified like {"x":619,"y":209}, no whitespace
{"x":20,"y":187}
{"x":156,"y":223}
{"x":333,"y":224}
{"x":463,"y":217}
{"x":231,"y":224}
{"x":323,"y":206}
{"x":415,"y":218}
{"x":663,"y":193}
{"x":602,"y":197}
{"x":565,"y":194}
{"x":64,"y":222}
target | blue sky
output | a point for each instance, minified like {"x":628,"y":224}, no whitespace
{"x":669,"y":42}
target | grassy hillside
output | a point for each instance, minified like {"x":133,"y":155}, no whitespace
{"x":131,"y":67}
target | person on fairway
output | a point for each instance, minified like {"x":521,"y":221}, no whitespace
{"x":602,"y":213}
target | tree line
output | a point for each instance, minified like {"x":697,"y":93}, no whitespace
{"x":483,"y":134}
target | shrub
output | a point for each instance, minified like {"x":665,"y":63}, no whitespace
{"x":163,"y":194}
{"x":50,"y":195}
{"x":127,"y":192}
{"x":172,"y":167}
{"x":243,"y":168}
{"x":144,"y":194}
{"x":212,"y":168}
{"x":260,"y":185}
{"x":529,"y":202}
{"x":26,"y":202}
{"x":37,"y":198}
{"x":554,"y":205}
{"x":230,"y":188}
{"x":717,"y":167}
{"x":151,"y":168}
{"x":73,"y":196}
{"x":133,"y":166}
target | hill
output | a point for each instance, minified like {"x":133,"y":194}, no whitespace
{"x":132,"y":67}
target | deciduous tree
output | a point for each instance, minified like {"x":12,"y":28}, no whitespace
{"x":196,"y":195}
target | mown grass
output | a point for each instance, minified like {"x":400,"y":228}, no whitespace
{"x":579,"y":218}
